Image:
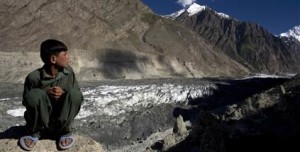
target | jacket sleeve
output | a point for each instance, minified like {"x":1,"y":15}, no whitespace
{"x":74,"y":83}
{"x":28,"y":85}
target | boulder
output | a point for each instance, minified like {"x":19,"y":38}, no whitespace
{"x":9,"y":142}
{"x":179,"y":126}
{"x":46,"y":145}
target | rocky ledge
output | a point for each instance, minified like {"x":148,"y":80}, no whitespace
{"x":266,"y":121}
{"x":9,"y":143}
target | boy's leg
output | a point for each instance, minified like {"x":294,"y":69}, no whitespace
{"x":70,"y":108}
{"x":38,"y":109}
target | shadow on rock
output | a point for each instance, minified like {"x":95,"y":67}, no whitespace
{"x":14,"y":132}
{"x":235,"y":91}
{"x":115,"y":63}
{"x":264,"y":119}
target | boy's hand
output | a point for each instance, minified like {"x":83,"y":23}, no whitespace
{"x":55,"y":92}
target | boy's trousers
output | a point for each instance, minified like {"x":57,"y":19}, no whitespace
{"x":45,"y":113}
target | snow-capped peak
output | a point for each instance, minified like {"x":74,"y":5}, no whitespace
{"x":193,"y":9}
{"x":176,"y":14}
{"x":223,"y":15}
{"x":294,"y":32}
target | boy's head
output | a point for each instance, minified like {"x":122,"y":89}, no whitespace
{"x":54,"y":52}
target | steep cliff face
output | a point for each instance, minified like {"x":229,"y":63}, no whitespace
{"x":82,"y":24}
{"x":108,"y":39}
{"x":293,"y":45}
{"x":245,"y":42}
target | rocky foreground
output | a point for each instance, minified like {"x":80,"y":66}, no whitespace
{"x":83,"y":144}
{"x":243,"y":115}
{"x":266,"y":121}
{"x":209,"y":114}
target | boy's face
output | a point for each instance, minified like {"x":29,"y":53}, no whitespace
{"x":62,"y":59}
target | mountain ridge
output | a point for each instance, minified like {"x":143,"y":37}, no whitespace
{"x":246,"y":42}
{"x":293,"y":32}
{"x":193,"y":9}
{"x":104,"y":43}
{"x":134,"y":44}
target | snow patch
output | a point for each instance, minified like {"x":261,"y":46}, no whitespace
{"x":4,"y":99}
{"x":262,"y":75}
{"x":195,"y":8}
{"x":175,"y":14}
{"x":117,"y":100}
{"x":223,"y":15}
{"x":19,"y":112}
{"x":294,"y":32}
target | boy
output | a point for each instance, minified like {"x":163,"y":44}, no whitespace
{"x":51,"y":96}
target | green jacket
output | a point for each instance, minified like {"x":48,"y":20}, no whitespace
{"x":40,"y":79}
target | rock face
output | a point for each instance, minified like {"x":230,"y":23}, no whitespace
{"x":179,"y":126}
{"x":245,"y":42}
{"x":104,"y":43}
{"x":81,"y":24}
{"x":267,"y":121}
{"x":9,"y":143}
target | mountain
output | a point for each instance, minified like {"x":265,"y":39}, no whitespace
{"x":193,"y":9}
{"x":116,"y":39}
{"x":125,"y":40}
{"x":294,"y":32}
{"x":245,"y":42}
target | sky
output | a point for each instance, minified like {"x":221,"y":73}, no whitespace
{"x":277,"y":16}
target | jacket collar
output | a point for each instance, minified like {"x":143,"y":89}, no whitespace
{"x":46,"y":76}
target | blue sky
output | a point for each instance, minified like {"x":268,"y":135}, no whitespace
{"x":276,"y":16}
